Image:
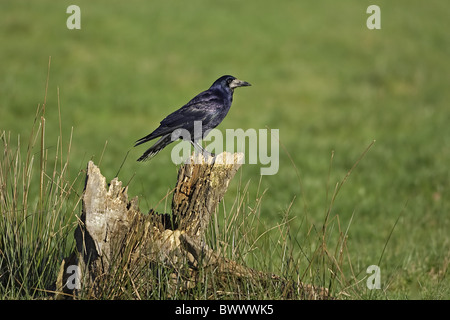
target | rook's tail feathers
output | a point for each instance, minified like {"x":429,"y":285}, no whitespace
{"x":157,"y":147}
{"x":144,"y":139}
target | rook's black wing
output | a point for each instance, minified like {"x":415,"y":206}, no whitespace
{"x":203,"y":108}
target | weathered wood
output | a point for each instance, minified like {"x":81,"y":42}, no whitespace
{"x":107,"y":217}
{"x":114,"y":235}
{"x":199,"y":189}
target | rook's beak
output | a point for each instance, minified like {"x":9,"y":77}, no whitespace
{"x":238,"y":83}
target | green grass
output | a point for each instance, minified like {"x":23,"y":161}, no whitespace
{"x":319,"y":75}
{"x":38,"y":207}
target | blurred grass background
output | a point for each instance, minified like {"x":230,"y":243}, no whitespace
{"x":319,"y":76}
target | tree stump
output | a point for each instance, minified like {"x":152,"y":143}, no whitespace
{"x":115,"y":242}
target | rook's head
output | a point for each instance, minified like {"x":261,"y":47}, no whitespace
{"x":230,"y":82}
